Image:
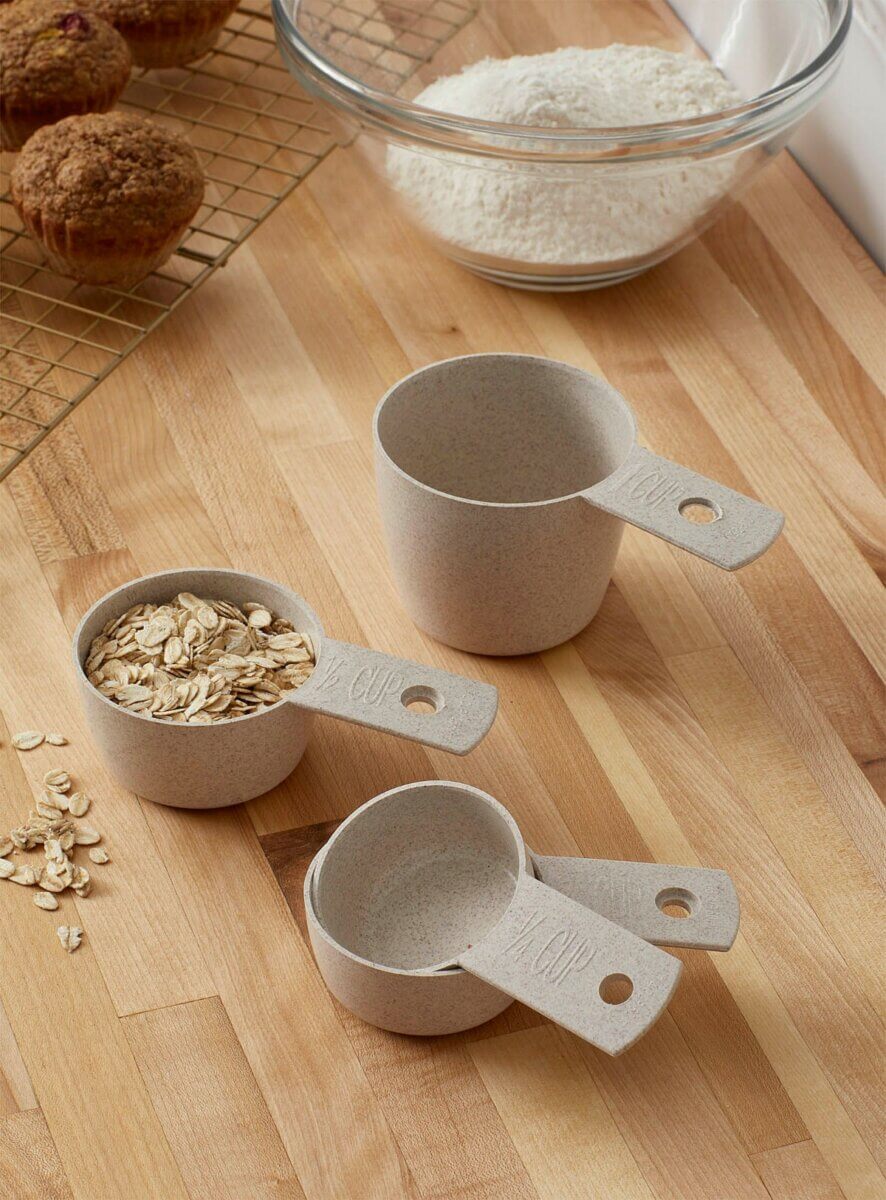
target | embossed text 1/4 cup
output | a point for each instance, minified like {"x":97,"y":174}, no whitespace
{"x":211,"y":766}
{"x":425,"y":917}
{"x":504,"y":481}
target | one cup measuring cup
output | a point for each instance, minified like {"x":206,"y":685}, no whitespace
{"x":425,"y":918}
{"x":214,"y":765}
{"x":504,"y":481}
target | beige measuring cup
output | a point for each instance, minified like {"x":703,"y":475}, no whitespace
{"x":504,"y":482}
{"x":434,"y":876}
{"x":210,"y":766}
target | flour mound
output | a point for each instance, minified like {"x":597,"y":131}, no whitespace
{"x":567,"y":214}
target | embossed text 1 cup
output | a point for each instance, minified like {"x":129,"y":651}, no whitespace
{"x":504,"y":482}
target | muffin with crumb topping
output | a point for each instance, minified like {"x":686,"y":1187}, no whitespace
{"x":56,"y":59}
{"x":166,"y":33}
{"x":107,"y":195}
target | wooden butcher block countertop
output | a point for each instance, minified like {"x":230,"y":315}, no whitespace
{"x":189,"y":1047}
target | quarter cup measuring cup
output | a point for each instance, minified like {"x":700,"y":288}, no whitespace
{"x":504,"y":481}
{"x":211,"y":766}
{"x":431,"y":877}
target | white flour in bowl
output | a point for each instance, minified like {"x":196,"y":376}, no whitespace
{"x":556,"y":214}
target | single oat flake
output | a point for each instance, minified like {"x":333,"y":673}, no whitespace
{"x":78,"y":804}
{"x":56,"y":739}
{"x":99,"y":854}
{"x":81,"y":885}
{"x":57,"y":781}
{"x":59,"y":800}
{"x":29,"y":740}
{"x":70,"y":937}
{"x":46,"y":900}
{"x":48,"y":810}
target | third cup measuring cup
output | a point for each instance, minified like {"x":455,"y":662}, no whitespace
{"x":504,"y":482}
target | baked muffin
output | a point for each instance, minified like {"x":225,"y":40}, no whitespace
{"x":55,"y":59}
{"x":166,"y":33}
{"x":108,"y":195}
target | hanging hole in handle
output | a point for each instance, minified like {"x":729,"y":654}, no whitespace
{"x":676,"y":902}
{"x":421,"y":699}
{"x":615,"y":989}
{"x":699,"y":511}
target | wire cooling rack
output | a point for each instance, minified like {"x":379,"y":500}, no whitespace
{"x":257,"y":136}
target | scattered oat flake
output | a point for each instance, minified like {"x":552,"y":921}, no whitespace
{"x":6,"y":868}
{"x":54,"y":850}
{"x":70,"y":937}
{"x":57,"y":781}
{"x":29,"y":740}
{"x":85,"y":835}
{"x":52,"y":882}
{"x":78,"y":804}
{"x":6,"y":846}
{"x":81,"y":884}
{"x":99,"y":854}
{"x":24,"y":875}
{"x":56,"y":739}
{"x":46,"y":900}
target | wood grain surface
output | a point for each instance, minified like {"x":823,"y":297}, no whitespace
{"x":189,"y":1048}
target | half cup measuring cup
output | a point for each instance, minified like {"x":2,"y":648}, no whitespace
{"x":504,"y":481}
{"x":211,"y":766}
{"x":434,"y":876}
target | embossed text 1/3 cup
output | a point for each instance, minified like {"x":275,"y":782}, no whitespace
{"x":425,"y":917}
{"x":504,"y":481}
{"x":210,"y":766}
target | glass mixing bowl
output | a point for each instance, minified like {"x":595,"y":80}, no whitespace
{"x":554,"y":208}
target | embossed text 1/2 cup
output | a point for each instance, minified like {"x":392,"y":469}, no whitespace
{"x":504,"y":482}
{"x":210,"y":766}
{"x":425,"y":917}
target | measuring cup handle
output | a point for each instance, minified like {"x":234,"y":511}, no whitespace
{"x":373,"y":689}
{"x":634,"y":895}
{"x":556,"y":956}
{"x":657,"y":495}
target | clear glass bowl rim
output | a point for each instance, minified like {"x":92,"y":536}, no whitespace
{"x":711,"y":132}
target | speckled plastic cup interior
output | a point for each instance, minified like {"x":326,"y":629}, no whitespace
{"x":419,"y":878}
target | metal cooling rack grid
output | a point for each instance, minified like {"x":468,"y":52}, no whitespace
{"x":257,"y":137}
